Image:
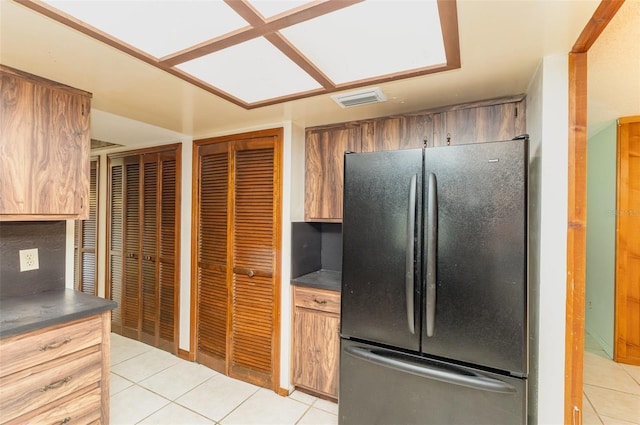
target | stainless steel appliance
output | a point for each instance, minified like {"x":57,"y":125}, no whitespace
{"x":434,"y":312}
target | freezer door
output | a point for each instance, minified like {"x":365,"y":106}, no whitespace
{"x":380,"y":386}
{"x":381,"y":252}
{"x":476,"y":236}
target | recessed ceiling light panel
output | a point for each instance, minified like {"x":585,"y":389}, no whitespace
{"x":371,"y":39}
{"x":252,"y":71}
{"x":156,"y":27}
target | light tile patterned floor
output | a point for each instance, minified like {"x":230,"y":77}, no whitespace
{"x":611,"y":390}
{"x":150,"y":386}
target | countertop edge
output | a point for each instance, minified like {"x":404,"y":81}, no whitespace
{"x":23,"y":314}
{"x":321,"y":279}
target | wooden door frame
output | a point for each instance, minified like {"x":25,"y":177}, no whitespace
{"x":577,"y":209}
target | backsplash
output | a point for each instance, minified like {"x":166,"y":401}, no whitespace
{"x":315,"y":246}
{"x":49,"y":237}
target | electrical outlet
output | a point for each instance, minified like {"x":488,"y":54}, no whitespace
{"x":29,"y":259}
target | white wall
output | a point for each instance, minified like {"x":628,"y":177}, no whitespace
{"x":547,"y":124}
{"x":601,"y":236}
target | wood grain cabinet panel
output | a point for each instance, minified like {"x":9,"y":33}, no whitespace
{"x":486,"y":121}
{"x":480,"y":124}
{"x":58,"y":374}
{"x":324,"y":170}
{"x":393,"y":133}
{"x":316,"y":340}
{"x":45,"y":144}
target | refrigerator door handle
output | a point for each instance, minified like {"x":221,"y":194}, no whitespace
{"x":410,"y":258}
{"x":432,"y":245}
{"x":450,"y":374}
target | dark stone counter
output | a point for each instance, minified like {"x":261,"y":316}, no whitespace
{"x":30,"y":312}
{"x":323,"y":279}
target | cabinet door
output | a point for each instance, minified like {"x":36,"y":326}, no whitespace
{"x":406,"y":132}
{"x":316,"y":351}
{"x":482,"y":124}
{"x":324,"y":169}
{"x":45,"y":145}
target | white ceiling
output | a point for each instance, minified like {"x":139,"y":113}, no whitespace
{"x":501,"y":44}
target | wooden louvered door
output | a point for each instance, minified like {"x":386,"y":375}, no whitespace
{"x":167,"y":262}
{"x":143,"y":256}
{"x":149,"y":250}
{"x":212,"y":216}
{"x":115,"y":240}
{"x":131,"y":273}
{"x":237,"y":231}
{"x":85,"y":271}
{"x":254,"y":294}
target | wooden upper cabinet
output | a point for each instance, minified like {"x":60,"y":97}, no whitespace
{"x":393,"y":133}
{"x":45,"y":144}
{"x":324,"y":171}
{"x":484,"y":123}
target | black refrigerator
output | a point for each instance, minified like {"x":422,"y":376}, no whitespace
{"x":434,"y":308}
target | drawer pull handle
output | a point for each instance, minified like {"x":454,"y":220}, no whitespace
{"x":65,"y":420}
{"x":317,"y":301}
{"x":55,"y":344}
{"x":56,"y":384}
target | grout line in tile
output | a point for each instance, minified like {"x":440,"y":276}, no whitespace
{"x":239,"y":404}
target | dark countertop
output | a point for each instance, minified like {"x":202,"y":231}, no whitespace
{"x":30,"y":312}
{"x":323,"y":279}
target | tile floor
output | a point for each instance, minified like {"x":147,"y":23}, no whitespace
{"x":151,"y":386}
{"x":611,"y":390}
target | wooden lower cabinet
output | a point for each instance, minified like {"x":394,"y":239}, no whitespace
{"x":316,"y":340}
{"x":57,"y":375}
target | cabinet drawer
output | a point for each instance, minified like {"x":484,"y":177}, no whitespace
{"x":28,"y":390}
{"x":317,"y":299}
{"x":82,"y":409}
{"x":32,"y":348}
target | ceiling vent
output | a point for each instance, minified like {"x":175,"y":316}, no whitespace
{"x":361,"y":97}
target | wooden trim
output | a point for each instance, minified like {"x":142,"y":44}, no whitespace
{"x":268,"y":28}
{"x":106,"y":366}
{"x":448,"y":11}
{"x":577,"y":194}
{"x":576,"y":237}
{"x":185,"y":355}
{"x":598,"y":22}
{"x":282,"y":392}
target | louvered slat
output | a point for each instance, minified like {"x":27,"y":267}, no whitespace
{"x":212,"y":260}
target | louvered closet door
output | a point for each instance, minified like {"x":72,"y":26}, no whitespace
{"x":131,"y":277}
{"x":212,"y":256}
{"x":149,"y":249}
{"x":167,"y":278}
{"x":254,"y":304}
{"x":116,"y":230}
{"x":85,"y":272}
{"x":143,"y":260}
